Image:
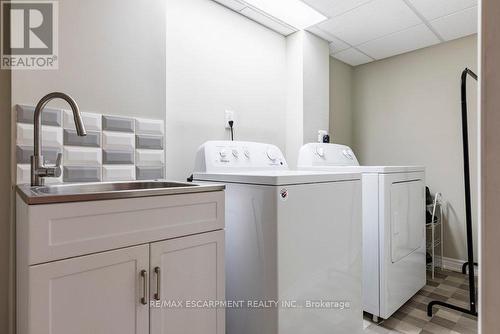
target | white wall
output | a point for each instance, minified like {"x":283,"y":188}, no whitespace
{"x":307,"y":84}
{"x":340,"y":102}
{"x":294,"y":96}
{"x":406,"y":110}
{"x":316,"y":86}
{"x":111,"y":59}
{"x":218,"y":60}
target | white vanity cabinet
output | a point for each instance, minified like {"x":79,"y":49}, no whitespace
{"x":190,"y":270}
{"x":99,"y":266}
{"x":97,"y":293}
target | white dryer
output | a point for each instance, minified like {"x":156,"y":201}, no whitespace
{"x":291,"y":237}
{"x":394,"y":261}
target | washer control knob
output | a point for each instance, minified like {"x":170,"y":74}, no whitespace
{"x":320,"y":151}
{"x":247,"y":153}
{"x":236,"y":153}
{"x":223,"y":153}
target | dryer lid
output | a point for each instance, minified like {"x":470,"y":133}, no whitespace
{"x":341,"y":159}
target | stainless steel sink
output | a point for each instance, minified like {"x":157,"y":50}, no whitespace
{"x":83,"y":188}
{"x":76,"y":192}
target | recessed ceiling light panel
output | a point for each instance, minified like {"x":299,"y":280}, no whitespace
{"x":292,"y":12}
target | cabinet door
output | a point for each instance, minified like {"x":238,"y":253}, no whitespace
{"x":186,"y":270}
{"x":98,"y":294}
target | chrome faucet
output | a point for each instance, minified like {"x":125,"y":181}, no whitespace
{"x":38,"y":168}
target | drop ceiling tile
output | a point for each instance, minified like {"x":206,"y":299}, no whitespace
{"x":337,"y":45}
{"x":332,"y":8}
{"x":432,"y":9}
{"x":353,"y":57}
{"x":320,"y":33}
{"x":232,"y":4}
{"x":267,"y":21}
{"x":459,"y":24}
{"x":404,"y":41}
{"x":370,"y":21}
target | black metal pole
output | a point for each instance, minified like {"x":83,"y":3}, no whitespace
{"x":468,"y":209}
{"x":465,"y":265}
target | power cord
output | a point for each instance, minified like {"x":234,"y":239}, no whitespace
{"x":231,"y":123}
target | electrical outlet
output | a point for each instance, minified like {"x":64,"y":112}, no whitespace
{"x":228,"y":116}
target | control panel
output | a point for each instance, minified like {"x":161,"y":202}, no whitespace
{"x":234,"y":156}
{"x":319,"y":154}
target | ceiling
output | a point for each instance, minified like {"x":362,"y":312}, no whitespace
{"x":362,"y":31}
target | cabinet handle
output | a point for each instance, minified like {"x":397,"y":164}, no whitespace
{"x":144,"y":276}
{"x":158,"y":283}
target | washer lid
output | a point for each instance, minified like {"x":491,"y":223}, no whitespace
{"x":277,"y":178}
{"x":237,"y":157}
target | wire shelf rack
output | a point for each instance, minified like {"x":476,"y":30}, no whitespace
{"x":434,"y":230}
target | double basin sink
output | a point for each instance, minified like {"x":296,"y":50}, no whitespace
{"x":77,"y":192}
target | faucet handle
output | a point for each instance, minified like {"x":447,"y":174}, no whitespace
{"x":55,"y":171}
{"x":58,"y":159}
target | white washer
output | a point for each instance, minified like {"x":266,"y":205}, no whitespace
{"x":394,"y":261}
{"x":291,"y":236}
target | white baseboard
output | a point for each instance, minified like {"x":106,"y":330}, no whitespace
{"x":453,"y":264}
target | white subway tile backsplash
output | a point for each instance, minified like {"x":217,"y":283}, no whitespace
{"x":149,"y":126}
{"x":149,"y":142}
{"x":24,"y":134}
{"x":82,"y":156}
{"x":92,"y":122}
{"x":118,"y":157}
{"x":118,"y":172}
{"x":150,"y":172}
{"x":51,"y":136}
{"x":82,"y":173}
{"x":118,"y":141}
{"x":121,"y":124}
{"x":50,"y":116}
{"x":92,"y":139}
{"x":114,"y":149}
{"x":23,"y":173}
{"x":149,"y":157}
{"x":24,"y":153}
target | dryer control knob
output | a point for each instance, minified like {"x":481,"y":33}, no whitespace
{"x":320,"y":151}
{"x":247,"y":153}
{"x":348,"y":154}
{"x":272,"y":154}
{"x":236,"y":153}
